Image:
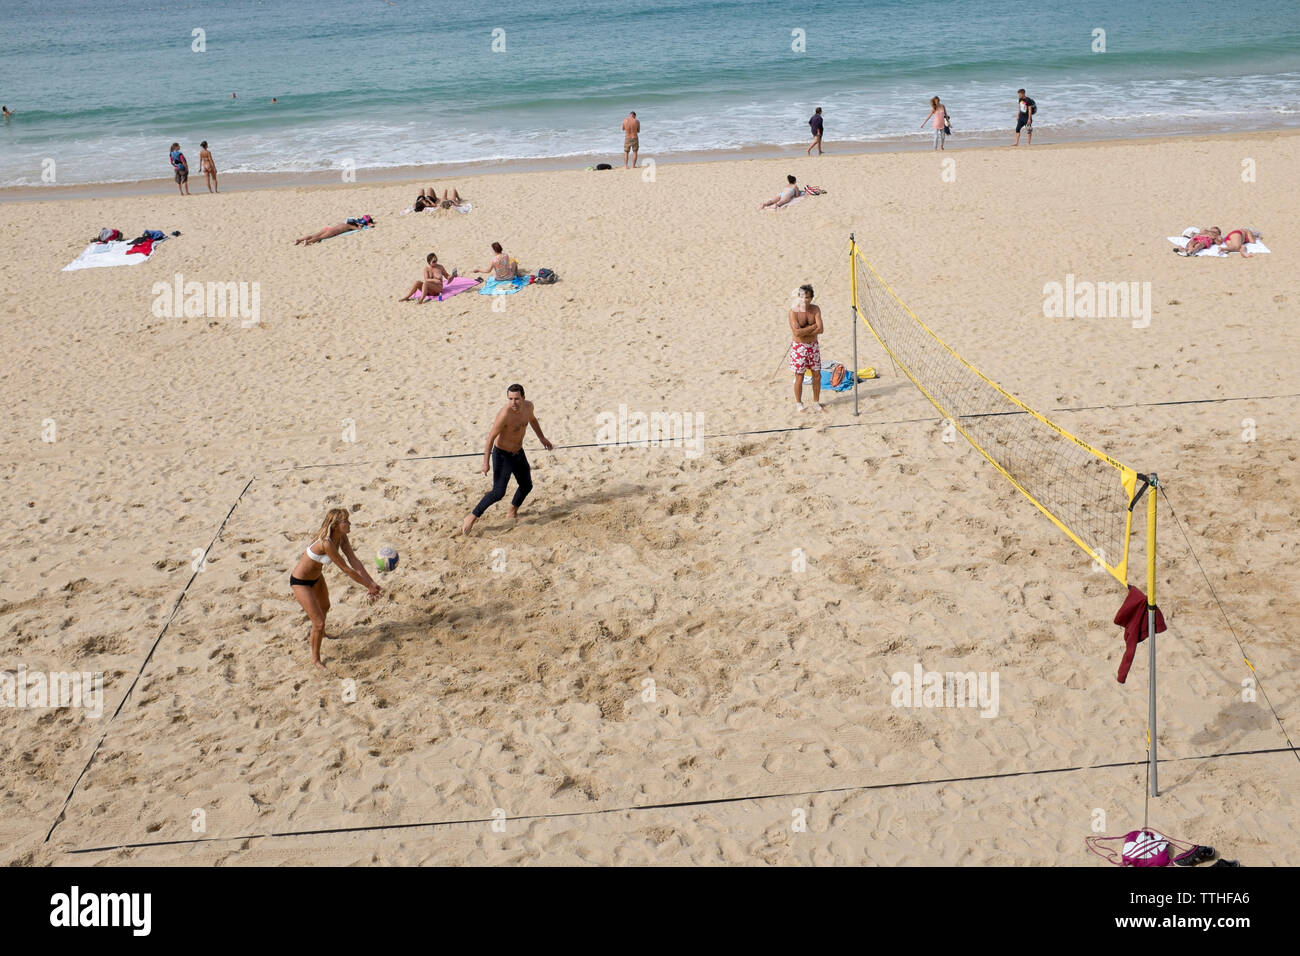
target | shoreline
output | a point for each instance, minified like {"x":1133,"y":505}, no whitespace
{"x":380,"y":176}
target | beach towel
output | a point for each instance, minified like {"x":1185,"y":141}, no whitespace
{"x":828,"y":369}
{"x":456,"y":286}
{"x":1217,"y":251}
{"x":504,"y":286}
{"x":99,"y":255}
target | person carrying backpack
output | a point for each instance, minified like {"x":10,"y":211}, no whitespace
{"x":1025,"y":119}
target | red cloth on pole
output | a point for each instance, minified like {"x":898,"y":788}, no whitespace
{"x":1132,"y":616}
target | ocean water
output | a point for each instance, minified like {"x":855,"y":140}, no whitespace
{"x":102,"y":88}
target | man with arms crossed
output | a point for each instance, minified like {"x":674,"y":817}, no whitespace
{"x":631,"y":138}
{"x":504,"y":453}
{"x":805,"y":353}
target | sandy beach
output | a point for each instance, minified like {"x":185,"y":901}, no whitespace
{"x":664,"y":625}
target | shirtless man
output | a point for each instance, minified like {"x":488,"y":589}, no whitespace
{"x":631,"y":138}
{"x":805,"y":353}
{"x":504,"y":453}
{"x":788,"y":195}
{"x":207,"y":167}
{"x":501,"y":266}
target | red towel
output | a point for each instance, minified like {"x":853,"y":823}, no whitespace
{"x":1132,"y":616}
{"x":144,"y":248}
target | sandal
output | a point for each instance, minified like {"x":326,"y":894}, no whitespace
{"x":1197,"y":854}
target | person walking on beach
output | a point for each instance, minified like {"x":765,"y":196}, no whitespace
{"x":504,"y":453}
{"x":631,"y":138}
{"x":1025,"y":119}
{"x":939,"y":119}
{"x":307,"y":579}
{"x":816,"y":125}
{"x":181,"y":168}
{"x":805,"y":353}
{"x":208,"y":168}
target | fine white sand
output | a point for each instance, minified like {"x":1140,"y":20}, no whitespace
{"x":510,"y":671}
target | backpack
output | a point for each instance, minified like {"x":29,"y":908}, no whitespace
{"x":545,"y":277}
{"x":1033,"y":107}
{"x":109,"y":235}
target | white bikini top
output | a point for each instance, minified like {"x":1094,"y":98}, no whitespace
{"x":318,"y":558}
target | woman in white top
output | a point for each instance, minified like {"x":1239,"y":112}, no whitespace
{"x":307,"y":579}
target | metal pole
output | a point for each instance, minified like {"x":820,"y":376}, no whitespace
{"x":853,"y":292}
{"x":1151,"y":625}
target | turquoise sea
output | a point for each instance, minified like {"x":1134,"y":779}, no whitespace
{"x":104,"y":88}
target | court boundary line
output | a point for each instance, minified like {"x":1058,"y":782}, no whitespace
{"x":145,"y":663}
{"x":675,"y":804}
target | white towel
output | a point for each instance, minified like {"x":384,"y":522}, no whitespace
{"x":101,"y":254}
{"x":1217,"y":251}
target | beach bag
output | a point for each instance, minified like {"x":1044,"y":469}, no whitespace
{"x":109,"y":235}
{"x":604,"y":166}
{"x":545,"y":277}
{"x":837,"y":375}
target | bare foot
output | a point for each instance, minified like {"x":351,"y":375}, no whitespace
{"x":513,"y":517}
{"x":321,"y":665}
{"x":467,"y":524}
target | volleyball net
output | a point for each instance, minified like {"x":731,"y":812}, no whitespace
{"x":1085,"y":493}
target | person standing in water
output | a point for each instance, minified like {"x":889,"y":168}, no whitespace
{"x":330,"y":545}
{"x":504,"y":453}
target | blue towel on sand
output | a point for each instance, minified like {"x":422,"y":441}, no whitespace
{"x":844,"y":386}
{"x":503,"y":286}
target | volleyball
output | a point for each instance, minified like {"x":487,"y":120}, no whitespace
{"x":386,"y":558}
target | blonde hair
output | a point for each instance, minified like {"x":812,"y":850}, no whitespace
{"x":333,"y":519}
{"x":934,"y":102}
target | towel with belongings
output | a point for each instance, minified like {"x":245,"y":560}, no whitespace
{"x":494,"y":286}
{"x":837,"y":378}
{"x":116,"y":251}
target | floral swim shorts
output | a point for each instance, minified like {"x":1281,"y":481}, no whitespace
{"x":804,"y":356}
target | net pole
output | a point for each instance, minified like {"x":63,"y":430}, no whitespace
{"x":853,"y":295}
{"x":1151,"y":627}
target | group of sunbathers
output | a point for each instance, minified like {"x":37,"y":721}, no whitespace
{"x":1234,"y":241}
{"x":430,"y":284}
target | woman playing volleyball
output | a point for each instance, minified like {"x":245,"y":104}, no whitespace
{"x":307,"y":579}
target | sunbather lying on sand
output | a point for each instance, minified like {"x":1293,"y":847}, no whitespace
{"x":330,"y":232}
{"x":1236,"y":240}
{"x":428,"y":199}
{"x":788,"y":195}
{"x":1202,"y":240}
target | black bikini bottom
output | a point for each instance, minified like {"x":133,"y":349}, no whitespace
{"x":300,"y":583}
